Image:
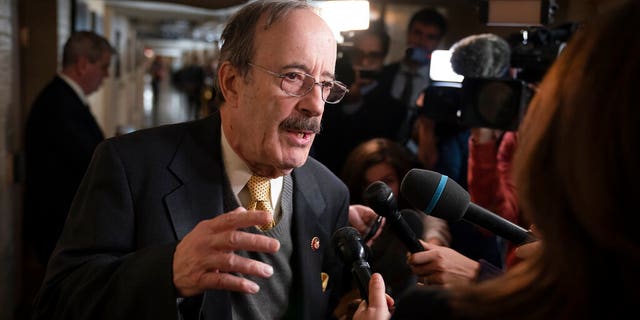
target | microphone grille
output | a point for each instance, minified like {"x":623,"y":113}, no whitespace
{"x":347,"y":244}
{"x":379,"y":197}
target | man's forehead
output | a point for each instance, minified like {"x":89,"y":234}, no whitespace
{"x":288,"y":45}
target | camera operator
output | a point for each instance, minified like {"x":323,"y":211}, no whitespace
{"x":367,"y":111}
{"x":475,"y":255}
{"x":490,"y":150}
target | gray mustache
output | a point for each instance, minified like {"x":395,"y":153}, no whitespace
{"x":301,"y":124}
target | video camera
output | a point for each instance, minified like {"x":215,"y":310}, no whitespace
{"x":496,"y":103}
{"x":473,"y":102}
{"x":534,"y":49}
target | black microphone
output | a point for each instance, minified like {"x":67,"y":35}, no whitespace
{"x":379,"y":197}
{"x":348,"y":246}
{"x":437,"y":195}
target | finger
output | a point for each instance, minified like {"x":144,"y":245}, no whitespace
{"x":240,"y":240}
{"x":526,"y":250}
{"x":236,"y":219}
{"x":391,"y":304}
{"x":424,"y":270}
{"x":377,"y":295}
{"x":231,"y":262}
{"x":228,"y":281}
{"x":420,"y":258}
{"x":428,"y":246}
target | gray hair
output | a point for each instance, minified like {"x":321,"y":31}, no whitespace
{"x":239,"y":34}
{"x":481,"y":56}
{"x":85,"y":44}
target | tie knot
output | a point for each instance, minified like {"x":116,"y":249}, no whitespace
{"x":259,"y":188}
{"x":260,"y":191}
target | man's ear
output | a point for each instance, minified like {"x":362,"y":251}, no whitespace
{"x":230,"y":79}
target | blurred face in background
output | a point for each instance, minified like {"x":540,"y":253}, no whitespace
{"x":424,"y":36}
{"x":93,"y":73}
{"x":384,"y":172}
{"x":368,"y":53}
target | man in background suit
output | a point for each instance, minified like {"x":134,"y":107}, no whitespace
{"x":405,"y":79}
{"x":160,"y":227}
{"x":61,"y":135}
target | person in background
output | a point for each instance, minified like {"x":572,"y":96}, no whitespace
{"x":406,"y":79}
{"x":586,"y":265}
{"x":222,"y":217}
{"x":61,"y":134}
{"x":490,"y":150}
{"x":366,"y":112}
{"x":476,"y":56}
{"x":387,"y":161}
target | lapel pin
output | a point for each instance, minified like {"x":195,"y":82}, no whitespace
{"x":315,"y":243}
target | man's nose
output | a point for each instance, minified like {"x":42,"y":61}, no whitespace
{"x":312,"y":104}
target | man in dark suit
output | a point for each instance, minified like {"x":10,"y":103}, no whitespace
{"x":160,"y":227}
{"x":61,"y":135}
{"x":407,"y":78}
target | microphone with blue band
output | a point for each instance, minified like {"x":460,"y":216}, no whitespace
{"x":437,"y":195}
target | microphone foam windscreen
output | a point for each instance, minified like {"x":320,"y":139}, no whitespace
{"x":481,"y":56}
{"x":435,"y":194}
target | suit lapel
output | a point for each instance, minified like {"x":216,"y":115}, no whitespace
{"x":308,"y":207}
{"x":198,"y":168}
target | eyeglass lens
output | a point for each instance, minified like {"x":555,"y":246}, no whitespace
{"x":299,"y":84}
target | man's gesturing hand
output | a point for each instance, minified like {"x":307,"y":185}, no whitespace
{"x":206,"y":258}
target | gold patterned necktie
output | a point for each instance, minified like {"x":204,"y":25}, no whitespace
{"x":260,"y":190}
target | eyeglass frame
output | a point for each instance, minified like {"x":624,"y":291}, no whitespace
{"x":322,"y":84}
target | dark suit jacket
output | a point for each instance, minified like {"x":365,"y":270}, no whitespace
{"x":142,"y":193}
{"x":61,"y":135}
{"x":424,"y":302}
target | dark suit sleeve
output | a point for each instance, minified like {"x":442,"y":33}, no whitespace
{"x":97,"y":271}
{"x":423,"y":303}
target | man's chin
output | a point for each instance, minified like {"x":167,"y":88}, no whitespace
{"x":296,"y":158}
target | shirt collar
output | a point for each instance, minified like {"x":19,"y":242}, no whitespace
{"x":239,"y":173}
{"x":76,"y":88}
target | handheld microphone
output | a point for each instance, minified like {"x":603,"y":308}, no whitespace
{"x":348,"y":246}
{"x":379,"y":197}
{"x":439,"y":196}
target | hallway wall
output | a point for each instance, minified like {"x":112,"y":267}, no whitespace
{"x":9,"y":126}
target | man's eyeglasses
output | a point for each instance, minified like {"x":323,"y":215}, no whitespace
{"x":298,"y":84}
